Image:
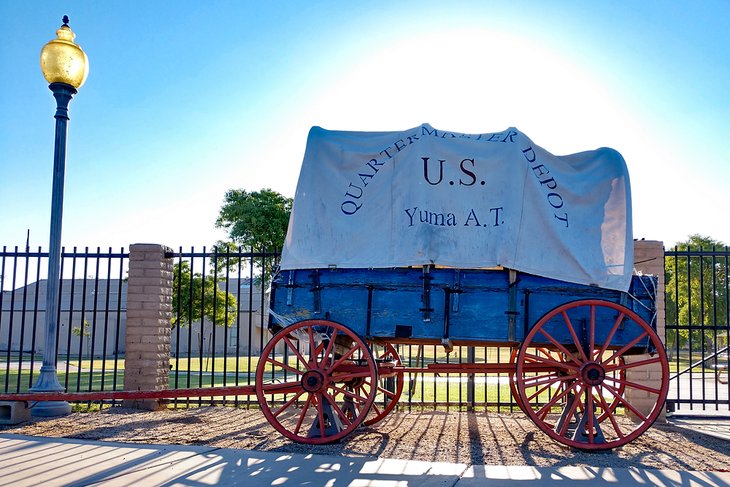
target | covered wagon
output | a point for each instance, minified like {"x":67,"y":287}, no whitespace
{"x":431,"y":237}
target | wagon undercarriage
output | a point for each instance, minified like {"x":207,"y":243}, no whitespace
{"x":591,"y":373}
{"x":587,"y":394}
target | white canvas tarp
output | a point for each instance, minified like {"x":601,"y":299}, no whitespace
{"x":425,"y":196}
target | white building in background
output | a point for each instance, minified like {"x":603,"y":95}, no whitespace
{"x":92,"y":309}
{"x":244,"y":336}
{"x":87,"y":308}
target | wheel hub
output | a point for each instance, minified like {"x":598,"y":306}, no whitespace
{"x":312,"y":381}
{"x":592,"y":373}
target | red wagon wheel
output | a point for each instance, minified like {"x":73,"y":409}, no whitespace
{"x":308,"y":381}
{"x":513,"y":379}
{"x":617,"y":374}
{"x":390,"y":386}
{"x":576,"y":379}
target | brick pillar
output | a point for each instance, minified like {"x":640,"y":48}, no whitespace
{"x":149,"y":310}
{"x":649,"y":259}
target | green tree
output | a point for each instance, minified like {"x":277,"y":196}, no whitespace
{"x":226,"y":258}
{"x":195,"y":298}
{"x":696,"y":292}
{"x":83,"y":331}
{"x":255,"y":221}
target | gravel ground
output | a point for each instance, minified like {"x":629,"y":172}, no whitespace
{"x":460,"y":437}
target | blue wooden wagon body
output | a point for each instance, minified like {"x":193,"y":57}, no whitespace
{"x":458,"y":306}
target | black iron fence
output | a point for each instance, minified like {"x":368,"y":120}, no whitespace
{"x":223,"y":348}
{"x":697,"y":329}
{"x":91,"y":316}
{"x":219,"y":328}
{"x":220,"y":318}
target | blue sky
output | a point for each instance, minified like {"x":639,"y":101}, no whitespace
{"x":186,"y":100}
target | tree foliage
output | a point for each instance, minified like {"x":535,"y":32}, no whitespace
{"x":256,"y":221}
{"x":697,"y":291}
{"x":227,"y":259}
{"x":195,"y":299}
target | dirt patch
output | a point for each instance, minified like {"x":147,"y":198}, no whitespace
{"x":459,"y":437}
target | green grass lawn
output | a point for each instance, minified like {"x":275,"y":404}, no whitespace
{"x":411,"y":355}
{"x":203,"y":372}
{"x":423,"y":391}
{"x":74,"y":381}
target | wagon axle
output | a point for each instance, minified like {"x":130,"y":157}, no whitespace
{"x":592,"y":373}
{"x":312,"y":381}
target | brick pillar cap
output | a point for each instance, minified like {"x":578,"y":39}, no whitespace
{"x":142,"y":247}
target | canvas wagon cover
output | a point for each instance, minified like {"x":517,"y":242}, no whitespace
{"x":426,"y":196}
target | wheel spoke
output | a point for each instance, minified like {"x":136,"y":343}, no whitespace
{"x":352,"y":375}
{"x":627,"y":404}
{"x":320,"y":413}
{"x":539,"y":380}
{"x":345,"y":357}
{"x":312,"y":354}
{"x":599,"y":392}
{"x":614,"y":328}
{"x":387,"y":354}
{"x":635,"y":385}
{"x":330,"y":345}
{"x":384,"y":399}
{"x":539,"y":391}
{"x":339,"y":412}
{"x":317,"y":350}
{"x":566,"y":318}
{"x":294,"y":349}
{"x":589,"y":411}
{"x":558,"y":345}
{"x":592,"y":330}
{"x":354,"y":396}
{"x":537,"y":359}
{"x":358,"y":405}
{"x":624,"y":366}
{"x":303,"y":414}
{"x":616,"y":427}
{"x":545,"y":410}
{"x":272,"y":388}
{"x":284,"y":366}
{"x":573,"y":406}
{"x":288,"y":403}
{"x":386,"y":392}
{"x":375,"y":408}
{"x":623,"y":350}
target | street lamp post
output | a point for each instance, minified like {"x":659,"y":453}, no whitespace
{"x":65,"y":66}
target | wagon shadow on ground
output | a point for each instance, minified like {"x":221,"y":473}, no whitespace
{"x":436,"y":436}
{"x":512,"y":439}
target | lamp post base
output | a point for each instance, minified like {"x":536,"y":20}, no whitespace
{"x":47,"y":409}
{"x":48,"y":382}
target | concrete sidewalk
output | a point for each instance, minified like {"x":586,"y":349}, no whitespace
{"x":30,"y":461}
{"x":717,"y":426}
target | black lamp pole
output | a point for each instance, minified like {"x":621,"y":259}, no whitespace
{"x":65,"y":66}
{"x":48,"y":380}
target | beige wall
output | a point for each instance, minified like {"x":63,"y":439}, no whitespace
{"x":100,"y":321}
{"x":93,"y":298}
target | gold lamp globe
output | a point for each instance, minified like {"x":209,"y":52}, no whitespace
{"x":62,"y":60}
